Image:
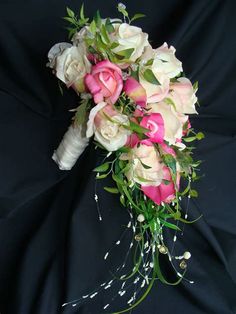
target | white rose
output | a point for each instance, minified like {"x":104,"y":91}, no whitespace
{"x":173,"y":121}
{"x":128,"y":37}
{"x":72,"y":65}
{"x":140,"y":156}
{"x":55,"y":51}
{"x":166,"y":61}
{"x":183,"y":96}
{"x":107,"y":125}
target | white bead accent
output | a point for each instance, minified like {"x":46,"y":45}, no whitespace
{"x":187,"y":255}
{"x":141,"y":218}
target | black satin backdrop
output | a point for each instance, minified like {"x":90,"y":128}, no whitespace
{"x":51,"y":242}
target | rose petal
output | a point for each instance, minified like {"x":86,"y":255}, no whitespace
{"x":91,"y":84}
{"x":155,"y":123}
{"x":92,"y":115}
{"x":104,"y":65}
{"x":135,"y":91}
{"x":113,"y":98}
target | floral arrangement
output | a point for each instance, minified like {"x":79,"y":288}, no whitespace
{"x":135,"y":102}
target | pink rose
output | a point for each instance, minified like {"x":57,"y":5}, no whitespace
{"x":165,"y":192}
{"x":104,"y":82}
{"x":155,"y":124}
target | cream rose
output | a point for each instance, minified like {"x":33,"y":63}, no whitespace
{"x":107,"y":125}
{"x":173,"y":122}
{"x":164,"y":66}
{"x":146,"y":166}
{"x":128,"y":37}
{"x":155,"y":92}
{"x":183,"y":96}
{"x":166,"y":61}
{"x":72,"y":65}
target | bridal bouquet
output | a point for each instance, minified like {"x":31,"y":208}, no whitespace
{"x":134,"y":102}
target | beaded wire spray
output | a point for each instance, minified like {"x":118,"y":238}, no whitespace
{"x":144,"y":269}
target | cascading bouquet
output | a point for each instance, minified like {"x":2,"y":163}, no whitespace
{"x":134,"y":103}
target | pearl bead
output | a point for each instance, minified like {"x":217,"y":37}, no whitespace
{"x":163,"y":249}
{"x":138,"y":237}
{"x":141,"y":218}
{"x":187,"y":255}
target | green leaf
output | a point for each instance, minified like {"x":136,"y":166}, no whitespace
{"x":193,"y":193}
{"x":93,"y":28}
{"x":126,"y":53}
{"x":185,"y":160}
{"x":70,"y":12}
{"x":101,"y":45}
{"x":89,"y":42}
{"x":117,"y":179}
{"x":137,"y":16}
{"x":200,"y":136}
{"x":135,"y":74}
{"x":102,"y":168}
{"x":166,"y":182}
{"x":122,"y":200}
{"x":149,"y":62}
{"x":189,"y":139}
{"x":104,"y":34}
{"x":111,"y":190}
{"x":169,"y":225}
{"x":195,"y":86}
{"x":170,"y":161}
{"x":71,"y":33}
{"x":169,"y":101}
{"x":82,"y":12}
{"x":81,"y":113}
{"x":177,"y":215}
{"x":109,"y":26}
{"x":102,"y":176}
{"x":144,"y":180}
{"x":145,"y":166}
{"x":124,"y":149}
{"x":98,"y":19}
{"x":114,"y":45}
{"x":137,"y":128}
{"x":69,"y":19}
{"x":150,"y":77}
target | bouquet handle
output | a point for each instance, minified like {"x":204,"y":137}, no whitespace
{"x":71,"y":147}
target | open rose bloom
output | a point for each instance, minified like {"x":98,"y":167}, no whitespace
{"x":134,"y":104}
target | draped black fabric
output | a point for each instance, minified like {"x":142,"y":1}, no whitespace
{"x":51,"y":241}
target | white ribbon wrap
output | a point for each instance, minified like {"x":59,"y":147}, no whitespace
{"x":71,"y":147}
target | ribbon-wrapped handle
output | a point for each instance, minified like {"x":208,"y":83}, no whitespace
{"x":71,"y":147}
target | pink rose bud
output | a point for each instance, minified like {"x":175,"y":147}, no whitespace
{"x":167,"y":149}
{"x":165,"y":192}
{"x":133,"y":140}
{"x":155,"y":124}
{"x":135,"y":91}
{"x":104,"y":82}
